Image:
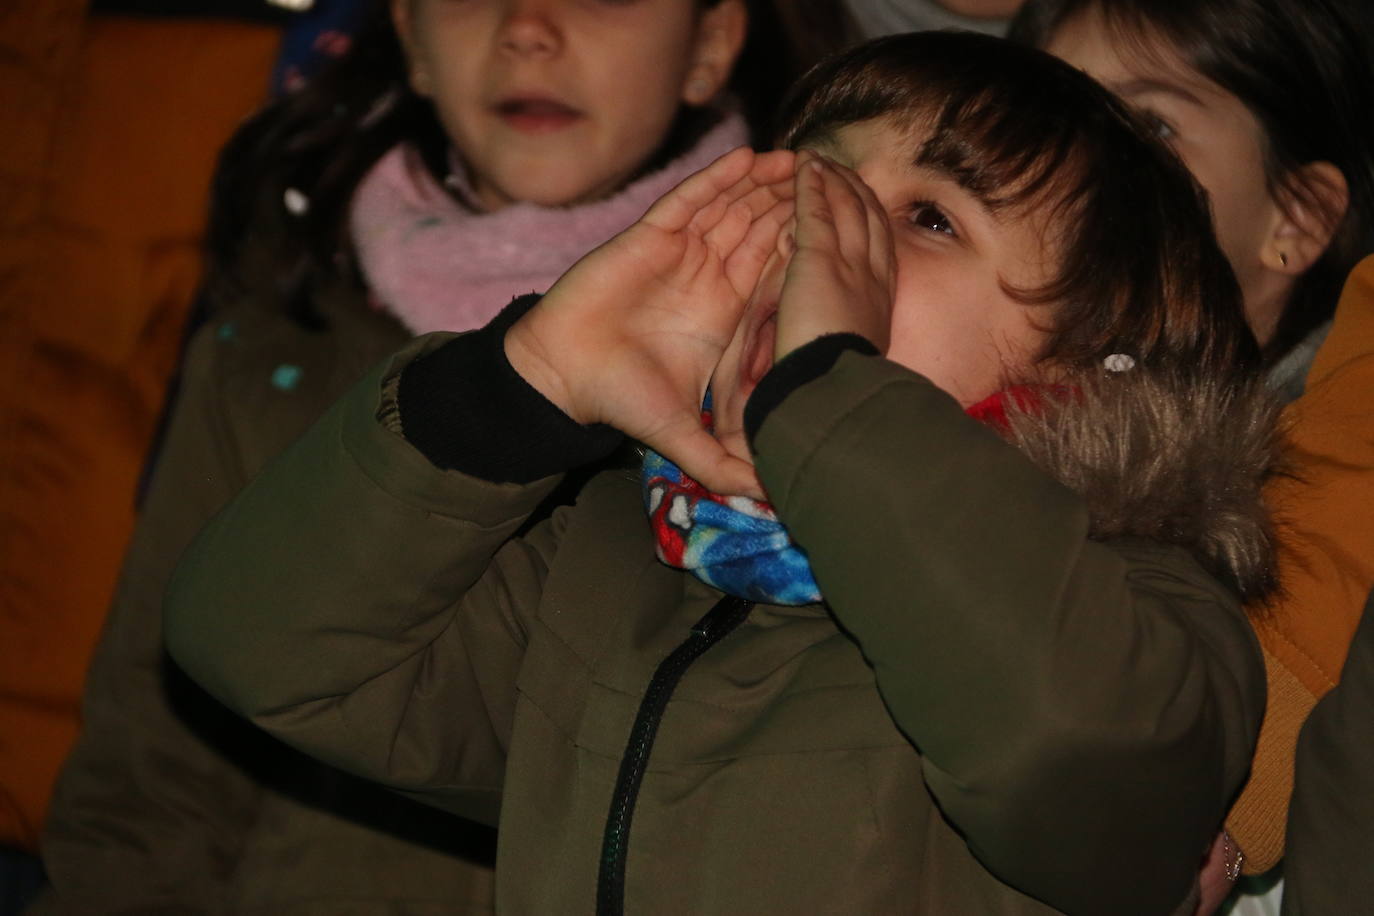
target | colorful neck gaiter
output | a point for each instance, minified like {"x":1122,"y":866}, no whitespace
{"x":737,"y":544}
{"x":992,"y":410}
{"x":732,"y":543}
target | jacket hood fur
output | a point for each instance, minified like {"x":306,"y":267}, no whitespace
{"x":1171,"y":458}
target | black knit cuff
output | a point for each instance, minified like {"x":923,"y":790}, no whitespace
{"x":802,"y":365}
{"x":466,"y":409}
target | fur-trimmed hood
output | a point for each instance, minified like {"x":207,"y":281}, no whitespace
{"x":1172,"y":458}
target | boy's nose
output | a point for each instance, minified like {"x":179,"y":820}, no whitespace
{"x":531,"y":27}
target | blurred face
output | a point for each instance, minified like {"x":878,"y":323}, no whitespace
{"x":1214,"y":134}
{"x":558,"y":102}
{"x":983,"y":9}
{"x":952,"y":320}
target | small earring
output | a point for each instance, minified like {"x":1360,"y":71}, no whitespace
{"x":1283,"y":258}
{"x":698,"y":89}
{"x":419,"y":81}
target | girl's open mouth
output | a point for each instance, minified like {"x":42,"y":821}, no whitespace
{"x":536,"y":115}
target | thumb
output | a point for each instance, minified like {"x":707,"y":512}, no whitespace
{"x":729,"y":476}
{"x":702,"y":457}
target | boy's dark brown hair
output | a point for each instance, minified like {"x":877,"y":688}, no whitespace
{"x":1139,"y":273}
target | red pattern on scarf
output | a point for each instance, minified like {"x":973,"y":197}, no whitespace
{"x":1031,"y":399}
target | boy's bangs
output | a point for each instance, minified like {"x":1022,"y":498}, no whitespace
{"x":1004,"y":154}
{"x":1009,"y":140}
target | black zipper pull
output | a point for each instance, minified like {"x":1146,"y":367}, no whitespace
{"x":727,"y":614}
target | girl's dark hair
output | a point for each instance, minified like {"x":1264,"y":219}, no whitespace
{"x":320,"y":140}
{"x":1139,"y":271}
{"x":1305,"y":74}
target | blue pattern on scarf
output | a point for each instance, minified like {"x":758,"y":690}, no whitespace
{"x":735,"y":544}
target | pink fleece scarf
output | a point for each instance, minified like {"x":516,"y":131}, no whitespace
{"x":437,"y":265}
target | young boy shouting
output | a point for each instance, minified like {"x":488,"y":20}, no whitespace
{"x":982,"y":653}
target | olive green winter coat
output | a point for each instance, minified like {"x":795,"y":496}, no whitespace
{"x":996,"y":709}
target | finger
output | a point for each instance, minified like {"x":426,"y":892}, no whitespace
{"x":746,"y":263}
{"x":882,"y":258}
{"x":676,"y":209}
{"x":885,"y":252}
{"x":874,"y":214}
{"x":739,"y":219}
{"x":857,"y":185}
{"x":703,"y":458}
{"x":769,"y":234}
{"x":849,"y":212}
{"x":815,"y":225}
{"x":680,"y":437}
{"x":731,"y":229}
{"x":733,"y":476}
{"x":885,"y":257}
{"x":759,"y":196}
{"x":1216,"y":876}
{"x":762,"y":198}
{"x":775,"y":166}
{"x":724,"y":227}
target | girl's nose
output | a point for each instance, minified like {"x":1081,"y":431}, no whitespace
{"x":531,"y":27}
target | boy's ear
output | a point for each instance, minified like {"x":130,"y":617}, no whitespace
{"x":720,"y":37}
{"x":405,"y":31}
{"x":1311,"y":205}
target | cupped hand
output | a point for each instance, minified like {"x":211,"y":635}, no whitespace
{"x":841,"y":275}
{"x":630,"y":335}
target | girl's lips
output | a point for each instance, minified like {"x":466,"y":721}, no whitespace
{"x":536,"y":115}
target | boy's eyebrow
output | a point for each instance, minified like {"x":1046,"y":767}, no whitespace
{"x":961,"y":178}
{"x":828,"y":144}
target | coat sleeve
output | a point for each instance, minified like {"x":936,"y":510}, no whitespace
{"x":1084,"y":710}
{"x":1331,"y":820}
{"x":1326,"y":558}
{"x":364,"y":606}
{"x":148,"y":762}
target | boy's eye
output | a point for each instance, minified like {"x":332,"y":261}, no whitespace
{"x":926,"y":215}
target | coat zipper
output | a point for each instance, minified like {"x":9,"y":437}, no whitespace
{"x":727,"y":614}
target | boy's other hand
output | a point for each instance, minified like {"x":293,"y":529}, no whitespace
{"x":841,"y":275}
{"x":630,"y":335}
{"x":1220,"y":869}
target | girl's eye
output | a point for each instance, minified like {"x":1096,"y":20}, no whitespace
{"x":1158,"y":126}
{"x":926,"y":215}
